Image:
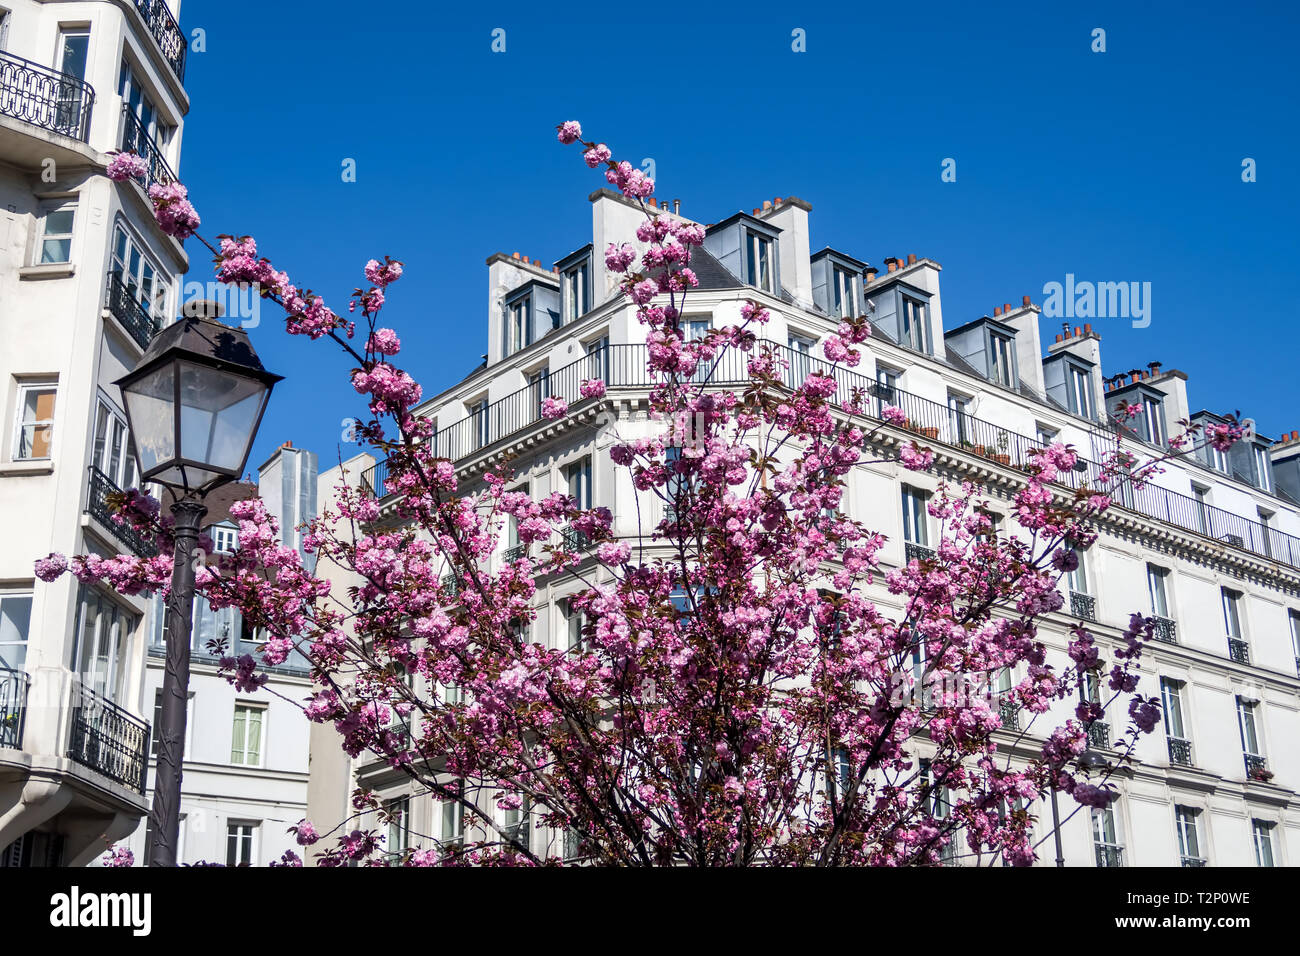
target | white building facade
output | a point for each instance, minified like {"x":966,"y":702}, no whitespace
{"x":86,"y":278}
{"x":1211,"y":547}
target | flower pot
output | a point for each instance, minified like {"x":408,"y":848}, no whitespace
{"x":1002,"y":459}
{"x":930,"y":432}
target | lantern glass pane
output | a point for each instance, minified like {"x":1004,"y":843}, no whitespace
{"x":150,"y":404}
{"x":219,"y":411}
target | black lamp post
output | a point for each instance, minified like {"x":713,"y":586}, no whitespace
{"x":193,"y":403}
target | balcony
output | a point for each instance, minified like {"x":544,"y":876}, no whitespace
{"x":1109,"y":855}
{"x":172,"y":43}
{"x":1238,"y":650}
{"x":101,"y":486}
{"x":1099,"y":735}
{"x":375,"y":478}
{"x":574,"y":540}
{"x":136,"y":139}
{"x":13,"y":707}
{"x":1180,"y":751}
{"x":1192,"y":861}
{"x":917,"y":552}
{"x":133,"y":316}
{"x":451,"y":584}
{"x":1257,"y":768}
{"x":1165,"y":630}
{"x":110,"y":741}
{"x":1009,"y":711}
{"x":513,"y":554}
{"x":45,"y":98}
{"x":1083,"y":606}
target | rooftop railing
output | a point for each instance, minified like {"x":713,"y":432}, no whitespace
{"x":624,"y":366}
{"x":44,"y":97}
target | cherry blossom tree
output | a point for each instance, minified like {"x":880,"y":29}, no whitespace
{"x":753,"y":686}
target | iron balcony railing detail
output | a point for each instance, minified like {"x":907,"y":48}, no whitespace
{"x":1257,"y":767}
{"x":13,"y":707}
{"x":136,"y":139}
{"x":1009,"y":712}
{"x":1192,"y":861}
{"x":1083,"y":606}
{"x":166,"y":33}
{"x":1099,"y":735}
{"x":1180,"y":751}
{"x":107,"y":739}
{"x":624,"y":366}
{"x":918,"y":552}
{"x":46,"y":98}
{"x":513,"y":554}
{"x":1238,"y":650}
{"x":1165,"y":630}
{"x":101,"y":486}
{"x":135,"y":318}
{"x":1109,"y":855}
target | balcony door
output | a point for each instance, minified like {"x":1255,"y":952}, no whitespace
{"x":137,"y":276}
{"x":103,"y":642}
{"x":113,"y":453}
{"x":74,"y":50}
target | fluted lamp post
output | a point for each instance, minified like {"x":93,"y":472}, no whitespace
{"x":193,"y":403}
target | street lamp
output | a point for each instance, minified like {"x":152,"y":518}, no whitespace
{"x":1088,"y":760}
{"x":193,"y":404}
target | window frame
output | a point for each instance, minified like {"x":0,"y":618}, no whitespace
{"x":128,"y":255}
{"x":1248,"y":725}
{"x":116,"y":440}
{"x":1187,"y":821}
{"x":916,"y":501}
{"x":118,"y":632}
{"x":17,"y":595}
{"x":47,"y":209}
{"x":21,"y":424}
{"x":1172,"y":708}
{"x":1002,"y":356}
{"x":1233,"y":623}
{"x":1263,"y":828}
{"x":1158,"y":583}
{"x":914,"y":323}
{"x":760,"y":261}
{"x":249,"y":840}
{"x":249,"y":707}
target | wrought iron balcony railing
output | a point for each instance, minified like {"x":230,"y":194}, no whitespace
{"x":166,"y":33}
{"x":1180,"y":751}
{"x":1165,"y":630}
{"x":126,"y":308}
{"x":13,"y":707}
{"x":46,"y":98}
{"x":575,"y":540}
{"x":513,"y":554}
{"x":918,"y":552}
{"x":101,"y":486}
{"x":136,"y":139}
{"x":1257,"y":767}
{"x":1109,"y":855}
{"x":451,"y":584}
{"x":1009,"y":711}
{"x":1192,"y":861}
{"x":1083,"y":606}
{"x":1238,"y":650}
{"x":107,"y":739}
{"x":1099,"y":735}
{"x":624,"y":366}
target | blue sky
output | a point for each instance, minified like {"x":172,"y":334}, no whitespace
{"x":1116,"y":166}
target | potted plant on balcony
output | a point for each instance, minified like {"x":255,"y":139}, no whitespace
{"x":1261,"y":774}
{"x":929,"y":431}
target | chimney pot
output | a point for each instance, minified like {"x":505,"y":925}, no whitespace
{"x":778,"y":200}
{"x":1295,"y":435}
{"x":677,"y":206}
{"x":1006,"y":307}
{"x":997,"y":310}
{"x":1087,"y":328}
{"x":1060,"y":337}
{"x":767,"y":204}
{"x":654,"y":203}
{"x":288,"y":444}
{"x":911,"y":258}
{"x":514,"y":255}
{"x":1077,"y":333}
{"x":1134,"y":378}
{"x":1027,"y":302}
{"x":757,"y":210}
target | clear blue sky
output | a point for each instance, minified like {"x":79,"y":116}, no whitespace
{"x":1115,"y":167}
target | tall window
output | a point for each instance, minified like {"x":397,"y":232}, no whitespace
{"x":578,"y":477}
{"x":1249,"y":729}
{"x":1189,"y":833}
{"x":1153,"y":417}
{"x":1201,"y":497}
{"x":1171,"y":698}
{"x":916,"y":524}
{"x":246,"y":736}
{"x":240,"y":843}
{"x":56,"y":233}
{"x":34,"y":428}
{"x":598,"y":358}
{"x":1295,"y":635}
{"x":1080,"y":392}
{"x":139,"y":277}
{"x":113,"y":452}
{"x":1263,"y":468}
{"x":515,"y":820}
{"x":575,"y":292}
{"x":478,"y":414}
{"x":959,"y":419}
{"x":399,"y":825}
{"x":157,"y":721}
{"x":1077,"y":580}
{"x":15,"y":624}
{"x":518,"y":326}
{"x":886,"y":384}
{"x":915,"y":330}
{"x":539,"y":385}
{"x":1232,"y":612}
{"x":801,"y":347}
{"x":74,"y":52}
{"x":574,"y":621}
{"x":1105,"y":836}
{"x":1001,"y":367}
{"x":1262,"y":833}
{"x":452,"y":821}
{"x":103,"y":637}
{"x":846,"y":294}
{"x":759,"y":266}
{"x":144,"y":127}
{"x":1156,"y":587}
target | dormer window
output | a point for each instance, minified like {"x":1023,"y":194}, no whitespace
{"x":1153,"y":421}
{"x":519,"y":326}
{"x":1263,"y":468}
{"x":1002,"y":370}
{"x":758,"y":264}
{"x":845,"y":302}
{"x":1080,"y":391}
{"x":914,"y":329}
{"x":575,"y":284}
